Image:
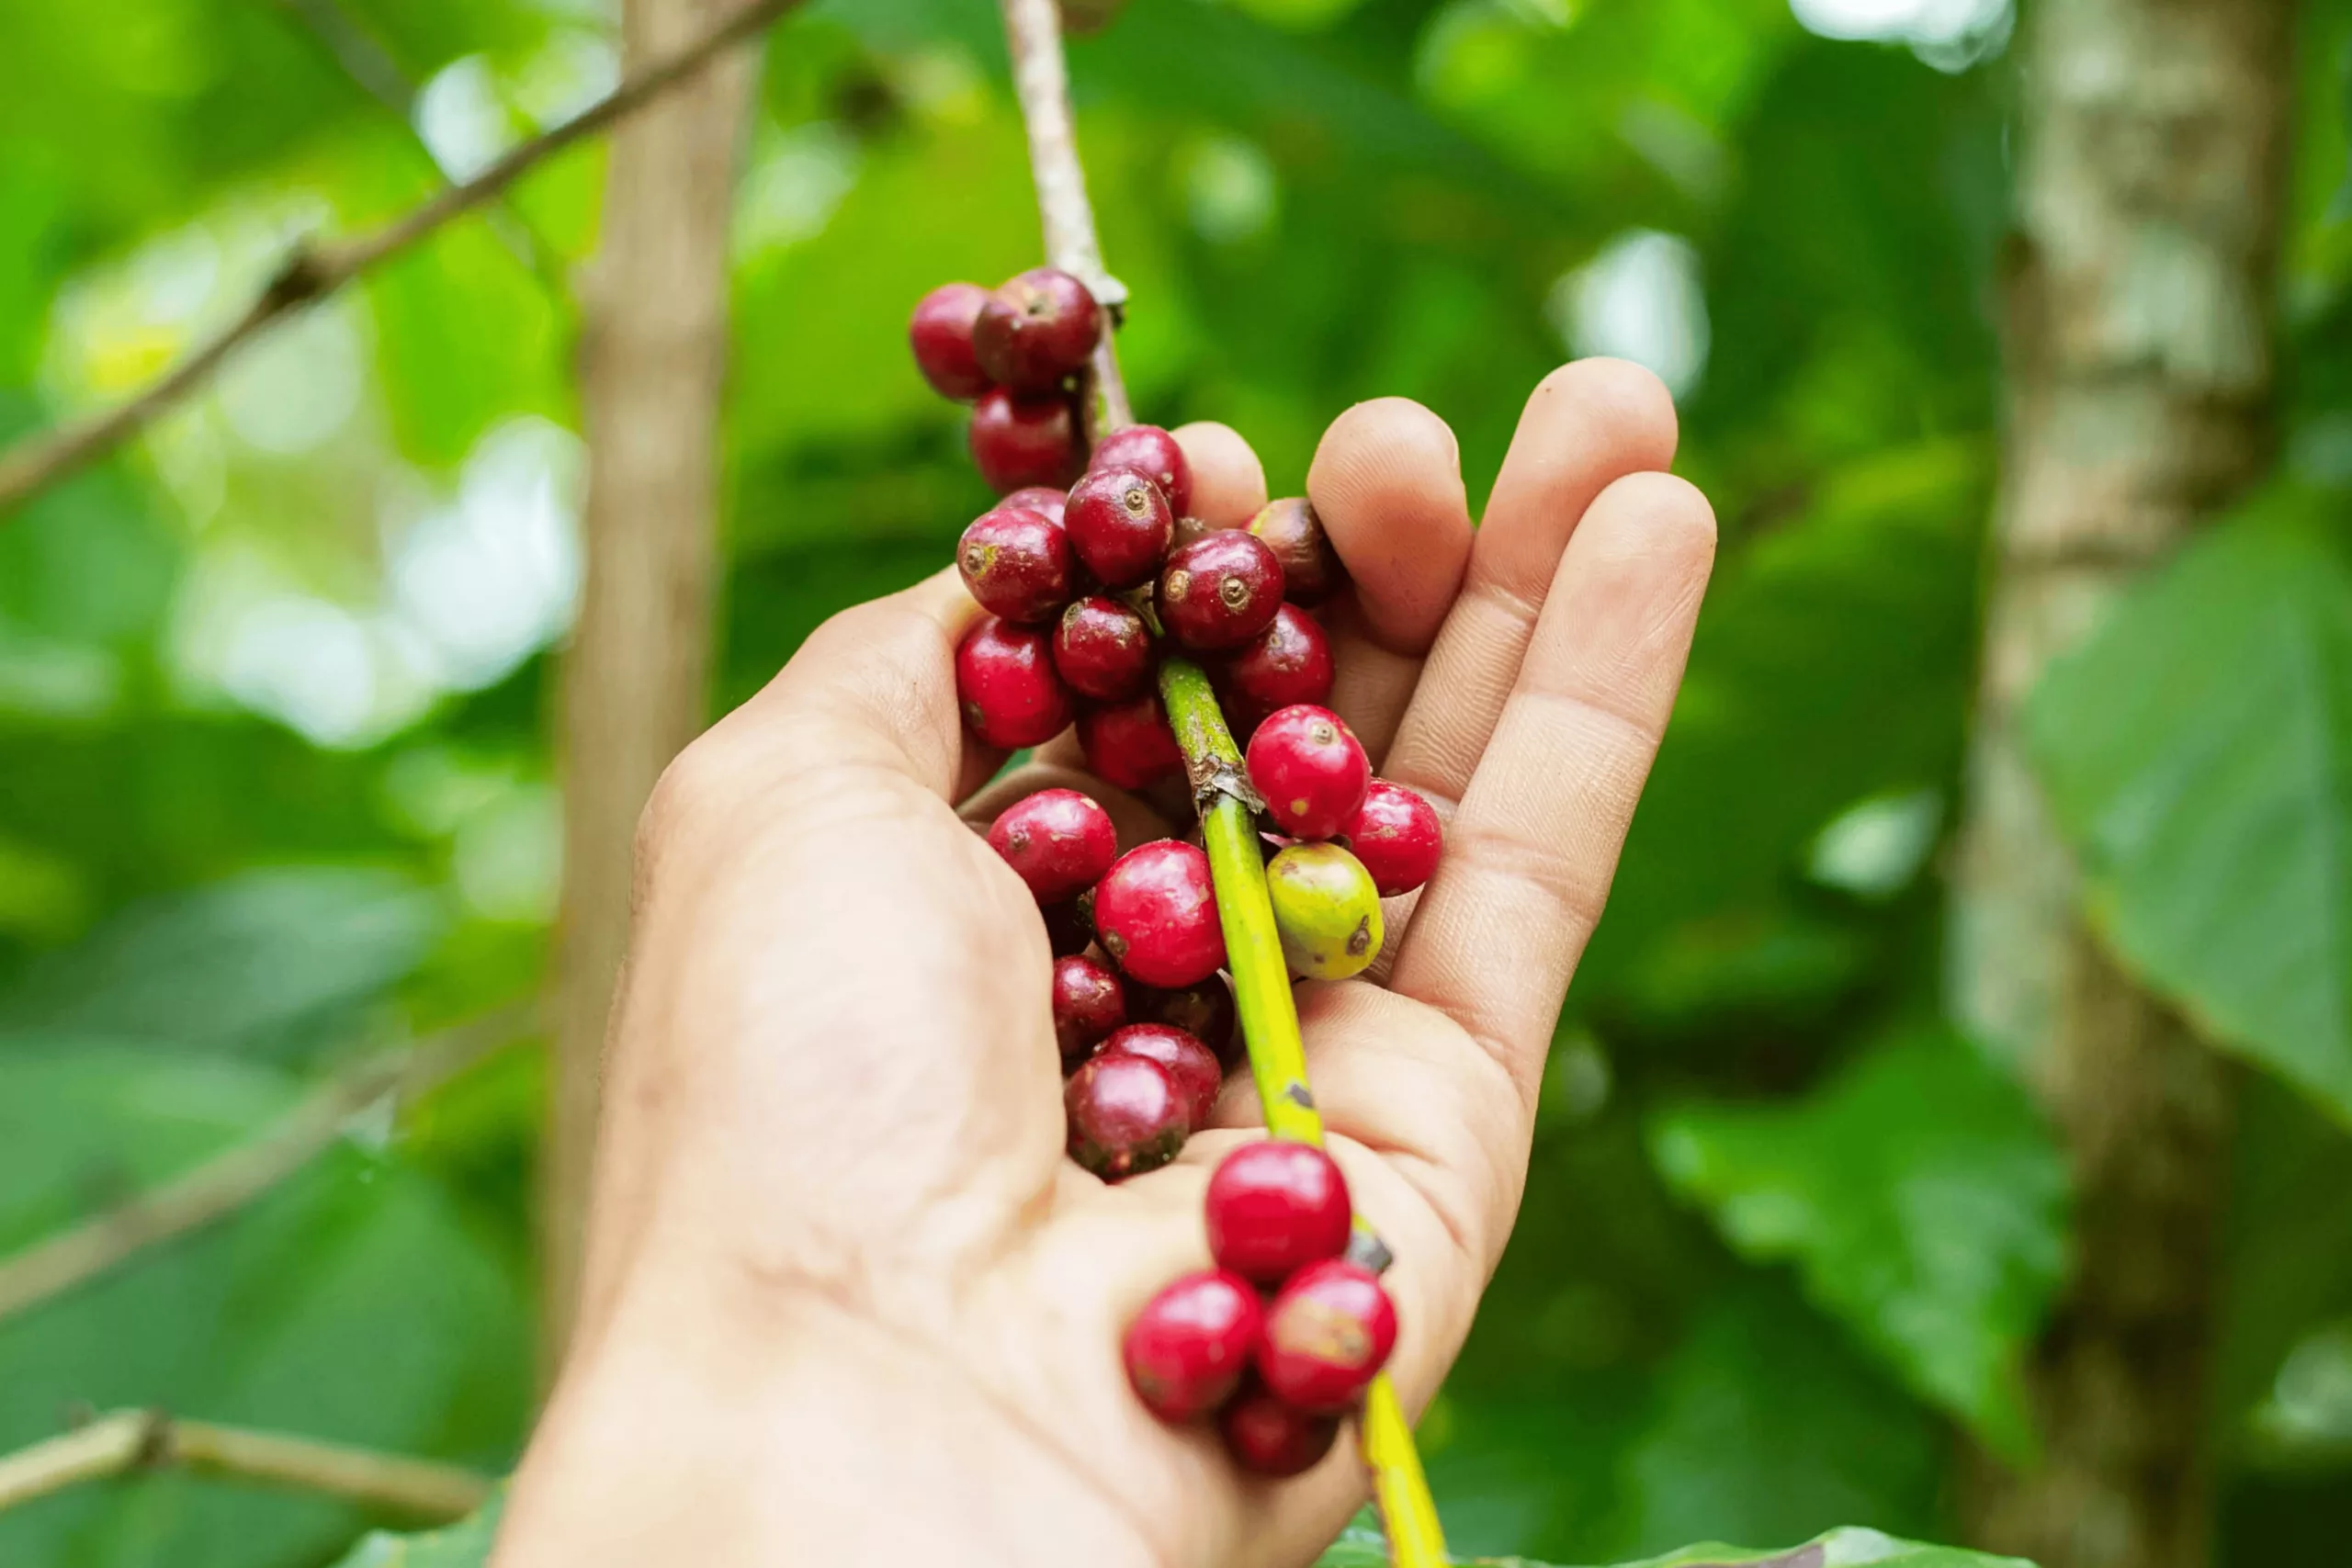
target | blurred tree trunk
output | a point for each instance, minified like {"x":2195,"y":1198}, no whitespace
{"x":636,"y":677}
{"x":2151,"y":187}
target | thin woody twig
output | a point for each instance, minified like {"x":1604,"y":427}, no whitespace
{"x":1033,"y":31}
{"x":313,"y":271}
{"x":230,"y":1181}
{"x":130,"y":1441}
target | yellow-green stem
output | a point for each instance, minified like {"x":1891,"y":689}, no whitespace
{"x":1261,"y":994}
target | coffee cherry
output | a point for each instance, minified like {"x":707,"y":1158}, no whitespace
{"x":1005,"y":681}
{"x":1155,"y":914}
{"x":1017,"y":563}
{"x":940,"y":334}
{"x":1019,"y":441}
{"x":1329,"y":1330}
{"x":1204,"y":1012}
{"x":1311,"y":567}
{"x":1187,"y":1349}
{"x":1273,"y":1207}
{"x":1268,"y":1438}
{"x":1060,"y":840}
{"x":1129,"y":744}
{"x":1219,"y":591}
{"x":1039,"y":498}
{"x":1089,"y":1005}
{"x":1104,"y":649}
{"x":1192,"y":1064}
{"x":1153,"y":453}
{"x":1119,"y":524}
{"x":1311,"y":768}
{"x":1126,"y":1115}
{"x":1397,"y":836}
{"x":1326,"y":909}
{"x":1290,"y":663}
{"x":1035,"y":330}
{"x":1070,"y":929}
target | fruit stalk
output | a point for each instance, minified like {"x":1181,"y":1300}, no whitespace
{"x":1262,"y":993}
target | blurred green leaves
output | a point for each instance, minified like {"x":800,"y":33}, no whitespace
{"x":2198,"y":751}
{"x":464,"y":1544}
{"x":1923,"y":1203}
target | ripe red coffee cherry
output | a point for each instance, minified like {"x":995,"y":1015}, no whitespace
{"x":1273,"y":1207}
{"x":1187,"y":1351}
{"x":1268,"y":1438}
{"x":940,"y":334}
{"x":1089,"y":1005}
{"x":1129,"y":744}
{"x":1104,"y":649}
{"x":1192,"y":1064}
{"x":1204,"y":1012}
{"x":1035,"y":330}
{"x":1126,"y":1115}
{"x":1153,"y":453}
{"x":1155,"y":914}
{"x":1290,"y":663}
{"x":1017,"y":563}
{"x":1069,"y":929}
{"x":1019,"y":441}
{"x":1329,"y":1330}
{"x":1005,"y":682}
{"x":1311,"y":566}
{"x":1311,"y":768}
{"x":1039,"y":498}
{"x":1220,"y":591}
{"x":1119,"y":524}
{"x":1060,"y":840}
{"x":1397,"y":836}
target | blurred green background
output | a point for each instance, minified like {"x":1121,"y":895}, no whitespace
{"x":275,"y":787}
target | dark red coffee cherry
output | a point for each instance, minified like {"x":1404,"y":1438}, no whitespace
{"x":1155,"y":914}
{"x":1397,"y":836}
{"x":1289,"y":663}
{"x":1005,"y":682}
{"x":1017,"y":563}
{"x":940,"y":334}
{"x":1089,"y":1005}
{"x":1039,"y":498}
{"x":1311,"y":566}
{"x":1018,"y":442}
{"x":1104,"y":649}
{"x":1192,"y":1064}
{"x":1268,"y":1438}
{"x":1153,"y":453}
{"x":1329,"y":1330}
{"x":1119,"y":524}
{"x":1187,"y":1349}
{"x":1129,"y":744}
{"x":1275,"y":1206}
{"x":1311,"y":768}
{"x":1035,"y":330}
{"x":1070,"y":929}
{"x":1219,"y":591}
{"x":1126,"y":1115}
{"x":1060,"y":840}
{"x":1204,"y":1012}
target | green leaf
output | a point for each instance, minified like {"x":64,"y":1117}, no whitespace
{"x":240,"y":964}
{"x":464,"y":1544}
{"x":1923,"y":1203}
{"x":1850,"y":1548}
{"x":2197,"y":754}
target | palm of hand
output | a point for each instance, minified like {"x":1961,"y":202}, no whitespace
{"x":832,"y":1159}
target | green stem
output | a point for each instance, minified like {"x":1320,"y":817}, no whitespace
{"x":1261,"y":994}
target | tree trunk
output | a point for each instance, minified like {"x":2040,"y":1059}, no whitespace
{"x":636,"y":677}
{"x":2140,"y":379}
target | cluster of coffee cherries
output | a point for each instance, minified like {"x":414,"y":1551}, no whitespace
{"x":1087,"y":588}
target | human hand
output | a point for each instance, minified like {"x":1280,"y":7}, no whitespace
{"x":846,"y":1301}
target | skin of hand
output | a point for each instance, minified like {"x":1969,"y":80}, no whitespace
{"x":847,"y":1302}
